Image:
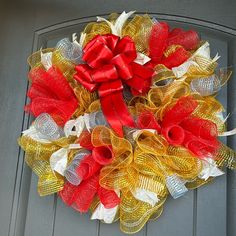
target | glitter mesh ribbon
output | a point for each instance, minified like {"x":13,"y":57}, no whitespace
{"x":37,"y":157}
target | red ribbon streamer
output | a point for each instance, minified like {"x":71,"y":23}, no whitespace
{"x":110,"y":64}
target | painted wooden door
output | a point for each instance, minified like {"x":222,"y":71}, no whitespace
{"x":28,"y":25}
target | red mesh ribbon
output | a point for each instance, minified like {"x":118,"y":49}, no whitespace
{"x":147,"y":120}
{"x":158,"y":41}
{"x":51,"y":93}
{"x":80,"y":197}
{"x":87,"y":167}
{"x":85,"y":140}
{"x":188,"y":39}
{"x":108,"y":197}
{"x":200,"y":136}
{"x":179,"y":127}
{"x":161,"y":38}
{"x":103,"y":155}
{"x":109,"y":64}
{"x":176,"y":58}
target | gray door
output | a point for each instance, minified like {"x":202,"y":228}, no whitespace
{"x":27,"y":25}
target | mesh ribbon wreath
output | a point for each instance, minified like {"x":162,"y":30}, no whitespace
{"x":124,"y":117}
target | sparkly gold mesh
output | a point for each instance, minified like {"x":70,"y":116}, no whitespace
{"x":139,"y":29}
{"x":95,"y":28}
{"x":134,"y":213}
{"x":37,"y":157}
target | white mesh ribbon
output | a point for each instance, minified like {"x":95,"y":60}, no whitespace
{"x":181,"y":70}
{"x":206,"y":86}
{"x":72,"y":51}
{"x":58,"y":160}
{"x":105,"y":214}
{"x":209,"y":169}
{"x":70,"y":172}
{"x":35,"y":134}
{"x":95,"y":119}
{"x":176,"y":186}
{"x":47,"y":127}
{"x":146,"y":196}
{"x":119,"y":23}
{"x":74,"y":127}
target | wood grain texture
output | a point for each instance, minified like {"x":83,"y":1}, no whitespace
{"x":28,"y":25}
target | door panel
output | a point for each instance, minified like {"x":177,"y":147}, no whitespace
{"x":210,"y":210}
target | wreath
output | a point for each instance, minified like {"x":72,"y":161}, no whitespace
{"x":124,"y":116}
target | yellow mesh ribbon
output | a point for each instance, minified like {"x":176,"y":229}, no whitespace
{"x":120,"y":173}
{"x":37,"y":156}
{"x":164,"y":160}
{"x":98,"y":28}
{"x":95,"y":28}
{"x":226,"y":157}
{"x":139,"y":29}
{"x":134,"y":213}
{"x":146,"y":168}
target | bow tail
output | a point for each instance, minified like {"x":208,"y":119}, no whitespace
{"x":114,"y":108}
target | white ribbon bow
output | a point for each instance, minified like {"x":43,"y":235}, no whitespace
{"x":146,"y":196}
{"x":105,"y":214}
{"x":46,"y":59}
{"x":58,"y":161}
{"x":119,"y":23}
{"x":209,"y":169}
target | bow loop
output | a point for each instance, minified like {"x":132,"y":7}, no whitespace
{"x":126,"y":46}
{"x":110,"y":64}
{"x":122,"y":64}
{"x":97,"y":52}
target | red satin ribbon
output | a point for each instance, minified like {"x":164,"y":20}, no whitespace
{"x":110,"y":64}
{"x":179,"y":127}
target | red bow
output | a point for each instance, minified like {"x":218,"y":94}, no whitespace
{"x":179,"y":127}
{"x":110,"y":63}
